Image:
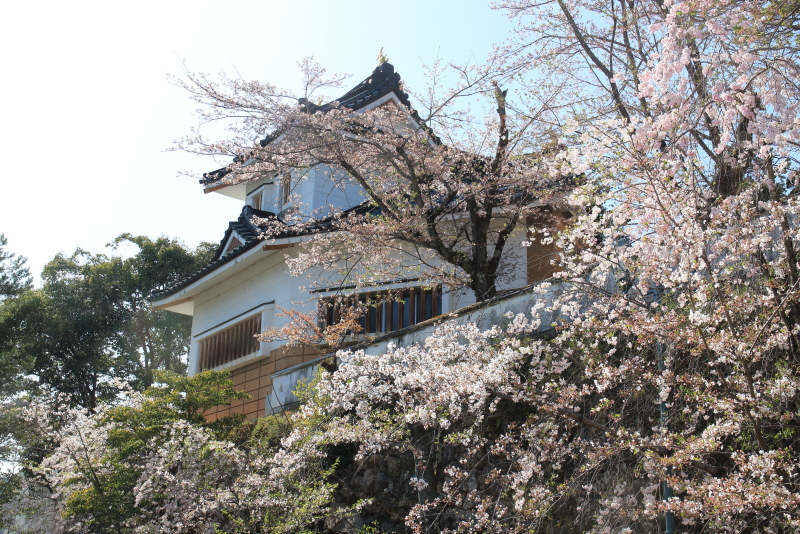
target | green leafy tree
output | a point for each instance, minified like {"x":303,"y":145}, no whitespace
{"x":14,"y":276}
{"x":146,"y":339}
{"x":91,"y":321}
{"x":15,"y":279}
{"x":98,"y":459}
{"x":63,"y":332}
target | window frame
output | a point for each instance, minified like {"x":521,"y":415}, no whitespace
{"x":393,"y":309}
{"x":265,"y":313}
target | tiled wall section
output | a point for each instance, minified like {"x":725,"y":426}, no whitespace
{"x":255,"y":380}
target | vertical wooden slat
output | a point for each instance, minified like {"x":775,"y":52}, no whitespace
{"x":242,"y":343}
{"x":401,"y":310}
{"x":387,"y":315}
{"x":383,"y":311}
{"x":220,"y":349}
{"x":256,"y":330}
{"x":247,"y":336}
{"x":223,"y":347}
{"x":373,"y":316}
{"x":226,"y":345}
{"x":236,"y":342}
{"x":232,"y":342}
{"x":213,"y":352}
{"x":370,"y":314}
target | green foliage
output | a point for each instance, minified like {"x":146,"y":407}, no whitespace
{"x":14,"y":276}
{"x":91,"y":321}
{"x":105,"y":501}
{"x":268,"y":433}
{"x":15,"y":279}
{"x":60,"y":333}
{"x":176,"y":397}
{"x":143,"y":338}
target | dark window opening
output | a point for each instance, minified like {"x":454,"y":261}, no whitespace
{"x":384,"y":311}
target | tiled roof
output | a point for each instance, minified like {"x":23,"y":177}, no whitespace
{"x":381,"y":82}
{"x":250,"y":234}
{"x":244,"y":227}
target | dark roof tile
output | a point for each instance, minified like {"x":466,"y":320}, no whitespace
{"x":251,"y":233}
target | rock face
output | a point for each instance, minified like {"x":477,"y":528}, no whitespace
{"x":385,"y":485}
{"x":382,"y":481}
{"x":427,"y":480}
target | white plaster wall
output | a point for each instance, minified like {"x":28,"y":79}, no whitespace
{"x":332,"y":187}
{"x":266,"y":189}
{"x":312,"y":190}
{"x":267,"y":281}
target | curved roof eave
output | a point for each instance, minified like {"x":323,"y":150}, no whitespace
{"x":168,"y":296}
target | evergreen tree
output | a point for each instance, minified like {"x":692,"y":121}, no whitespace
{"x":14,"y":276}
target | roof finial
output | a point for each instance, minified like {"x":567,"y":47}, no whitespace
{"x":381,"y":58}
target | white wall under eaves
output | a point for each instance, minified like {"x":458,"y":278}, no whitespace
{"x":263,"y":284}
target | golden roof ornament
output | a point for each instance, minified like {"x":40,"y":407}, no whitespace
{"x":381,"y":58}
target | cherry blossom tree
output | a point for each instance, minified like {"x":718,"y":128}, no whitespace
{"x":683,"y":268}
{"x":670,"y":391}
{"x":441,"y":199}
{"x":93,"y":460}
{"x":666,"y":390}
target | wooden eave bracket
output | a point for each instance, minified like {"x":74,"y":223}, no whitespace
{"x":173,"y":303}
{"x":276,"y":247}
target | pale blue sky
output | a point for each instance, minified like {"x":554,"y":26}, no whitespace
{"x":87,"y":111}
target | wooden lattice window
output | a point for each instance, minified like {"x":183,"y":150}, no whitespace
{"x":230,"y":344}
{"x":385,"y":311}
